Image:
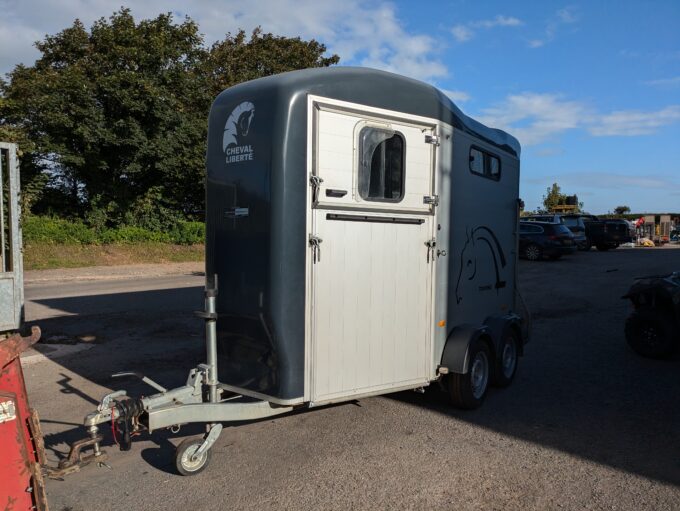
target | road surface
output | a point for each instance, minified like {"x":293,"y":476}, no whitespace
{"x":587,"y":424}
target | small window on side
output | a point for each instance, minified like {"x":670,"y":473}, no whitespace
{"x":494,"y":167}
{"x":381,"y":165}
{"x":485,"y":164}
{"x":476,"y":161}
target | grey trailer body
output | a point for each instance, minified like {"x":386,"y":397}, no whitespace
{"x":361,"y":238}
{"x":334,"y":281}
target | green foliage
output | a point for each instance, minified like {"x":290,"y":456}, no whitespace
{"x":75,"y":232}
{"x":57,"y":230}
{"x":621,"y":210}
{"x":554,"y":197}
{"x":112,"y":121}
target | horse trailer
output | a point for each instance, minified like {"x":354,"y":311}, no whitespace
{"x":361,"y":239}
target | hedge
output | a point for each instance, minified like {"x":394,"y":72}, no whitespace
{"x":59,"y":231}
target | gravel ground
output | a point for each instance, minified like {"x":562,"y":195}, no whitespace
{"x":587,"y":424}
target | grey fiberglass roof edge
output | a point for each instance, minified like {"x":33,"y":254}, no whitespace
{"x":381,"y":89}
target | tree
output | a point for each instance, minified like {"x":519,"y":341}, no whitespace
{"x":621,"y":210}
{"x":552,"y":197}
{"x":116,"y":116}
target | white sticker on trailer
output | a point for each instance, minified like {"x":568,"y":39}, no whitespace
{"x":8,"y":411}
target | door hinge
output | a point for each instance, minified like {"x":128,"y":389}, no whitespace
{"x":431,"y":199}
{"x":432,"y":139}
{"x":315,"y":243}
{"x":315,"y":181}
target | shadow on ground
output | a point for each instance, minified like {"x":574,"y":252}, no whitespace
{"x":579,"y":389}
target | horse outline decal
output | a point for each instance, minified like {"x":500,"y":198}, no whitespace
{"x":236,"y":131}
{"x":475,"y":238}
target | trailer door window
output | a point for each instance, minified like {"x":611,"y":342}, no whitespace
{"x":381,"y":165}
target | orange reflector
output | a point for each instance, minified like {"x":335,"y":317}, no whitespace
{"x":442,"y":323}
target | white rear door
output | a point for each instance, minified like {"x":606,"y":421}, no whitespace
{"x":370,"y":258}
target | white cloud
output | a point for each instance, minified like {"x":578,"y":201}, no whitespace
{"x":498,"y":21}
{"x":465,"y":32}
{"x":610,"y":180}
{"x":634,"y":122}
{"x":462,"y":33}
{"x":362,"y":35}
{"x":664,"y":82}
{"x":535,"y":118}
{"x":565,"y":16}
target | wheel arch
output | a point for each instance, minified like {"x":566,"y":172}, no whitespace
{"x":500,"y":325}
{"x":455,"y":357}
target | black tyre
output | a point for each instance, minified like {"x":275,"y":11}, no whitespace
{"x":602,"y":247}
{"x":184,"y":463}
{"x":506,"y":360}
{"x":533,"y":252}
{"x":651,"y":333}
{"x":468,"y":390}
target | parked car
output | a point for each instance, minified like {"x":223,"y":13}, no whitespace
{"x":605,"y":234}
{"x":653,"y":328}
{"x":544,"y":239}
{"x":553,"y":218}
{"x":578,"y":227}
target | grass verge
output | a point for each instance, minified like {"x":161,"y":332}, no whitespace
{"x":45,"y":256}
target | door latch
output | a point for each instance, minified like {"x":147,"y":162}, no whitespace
{"x":315,"y":243}
{"x":431,"y":244}
{"x":315,"y":181}
{"x":431,"y":199}
{"x":432,"y":139}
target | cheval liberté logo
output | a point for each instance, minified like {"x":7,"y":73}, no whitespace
{"x":235,"y":132}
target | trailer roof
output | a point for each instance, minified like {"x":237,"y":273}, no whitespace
{"x":382,"y":90}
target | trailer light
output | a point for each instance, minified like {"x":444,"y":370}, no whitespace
{"x":441,"y":323}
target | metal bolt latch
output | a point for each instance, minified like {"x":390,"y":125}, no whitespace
{"x":315,"y":243}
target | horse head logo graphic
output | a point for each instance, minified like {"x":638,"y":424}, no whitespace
{"x":477,"y":241}
{"x":238,"y":124}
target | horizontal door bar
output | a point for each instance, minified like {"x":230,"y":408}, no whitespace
{"x":375,"y":219}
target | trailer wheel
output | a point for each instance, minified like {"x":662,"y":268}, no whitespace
{"x":507,"y":360}
{"x":533,"y":252}
{"x":468,"y":390}
{"x":650,"y":333}
{"x":183,"y":457}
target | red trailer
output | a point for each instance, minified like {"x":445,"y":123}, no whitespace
{"x":21,"y":448}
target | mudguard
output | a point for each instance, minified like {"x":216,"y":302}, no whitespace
{"x":455,"y":354}
{"x":499,"y":326}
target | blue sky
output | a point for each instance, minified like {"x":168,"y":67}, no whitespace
{"x":591,"y":89}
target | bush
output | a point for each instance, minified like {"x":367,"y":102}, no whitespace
{"x":58,"y":231}
{"x":188,"y":233}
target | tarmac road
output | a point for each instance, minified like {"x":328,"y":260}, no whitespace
{"x":587,"y":424}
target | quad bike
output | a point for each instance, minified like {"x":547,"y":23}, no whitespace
{"x":653,"y":328}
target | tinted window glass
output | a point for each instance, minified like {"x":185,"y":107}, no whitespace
{"x":485,"y":164}
{"x":561,"y":229}
{"x":494,"y":168}
{"x":381,"y":168}
{"x":476,"y":161}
